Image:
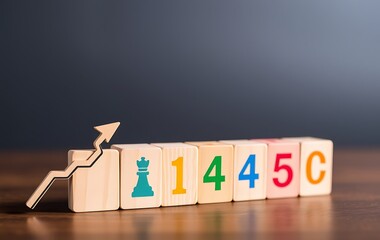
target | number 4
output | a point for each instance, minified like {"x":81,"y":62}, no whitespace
{"x":252,"y":176}
{"x":218,"y":178}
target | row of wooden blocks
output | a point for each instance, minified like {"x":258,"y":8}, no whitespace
{"x":131,"y":176}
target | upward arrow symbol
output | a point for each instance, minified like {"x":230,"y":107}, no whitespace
{"x":106,"y":133}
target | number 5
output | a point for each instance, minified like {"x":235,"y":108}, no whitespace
{"x":285,"y":167}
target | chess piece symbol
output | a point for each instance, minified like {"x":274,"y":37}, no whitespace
{"x":142,"y":189}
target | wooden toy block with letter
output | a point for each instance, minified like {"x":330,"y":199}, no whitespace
{"x":95,"y":188}
{"x":250,"y":169}
{"x":140,"y":175}
{"x":179,"y":174}
{"x":132,"y":176}
{"x":316,"y":163}
{"x":283,"y":168}
{"x":215,"y":172}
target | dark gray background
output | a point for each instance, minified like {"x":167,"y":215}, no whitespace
{"x":188,"y":70}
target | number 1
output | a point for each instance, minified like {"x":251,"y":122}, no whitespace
{"x":178,"y":163}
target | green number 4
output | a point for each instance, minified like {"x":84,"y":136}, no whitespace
{"x":218,"y":178}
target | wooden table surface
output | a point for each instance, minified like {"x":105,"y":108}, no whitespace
{"x":352,"y":211}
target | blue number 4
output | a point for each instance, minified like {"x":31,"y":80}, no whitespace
{"x":252,"y":176}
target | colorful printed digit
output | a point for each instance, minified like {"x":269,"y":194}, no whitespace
{"x":252,"y":176}
{"x":287,"y":168}
{"x":218,"y":178}
{"x":178,"y":163}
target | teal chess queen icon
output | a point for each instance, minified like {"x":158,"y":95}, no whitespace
{"x":142,"y":189}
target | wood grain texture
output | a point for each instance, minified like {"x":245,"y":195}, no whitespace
{"x":207,"y":191}
{"x":129,"y":154}
{"x":316,"y":162}
{"x":242,"y":151}
{"x":352,"y":211}
{"x":105,"y":134}
{"x":189,"y":154}
{"x":282,"y":169}
{"x":95,"y":188}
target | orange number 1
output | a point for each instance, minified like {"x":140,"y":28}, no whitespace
{"x":178,"y":163}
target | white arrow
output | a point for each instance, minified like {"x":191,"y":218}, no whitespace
{"x":106,"y":133}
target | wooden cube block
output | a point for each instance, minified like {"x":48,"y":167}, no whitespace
{"x":215,"y":172}
{"x":250,"y":170}
{"x":95,"y":188}
{"x":180,"y":172}
{"x":315,"y":166}
{"x":283,"y":168}
{"x":140,"y":175}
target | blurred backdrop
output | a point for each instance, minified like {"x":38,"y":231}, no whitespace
{"x":188,"y":70}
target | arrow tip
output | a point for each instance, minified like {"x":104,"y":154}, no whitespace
{"x":108,"y":130}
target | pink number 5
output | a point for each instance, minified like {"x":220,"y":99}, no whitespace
{"x":279,"y":167}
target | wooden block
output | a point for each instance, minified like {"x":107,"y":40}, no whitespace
{"x":180,"y":172}
{"x":215,"y":172}
{"x":283,"y":168}
{"x":250,"y":170}
{"x":316,"y":164}
{"x":95,"y":188}
{"x":106,"y":132}
{"x":140,"y":175}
